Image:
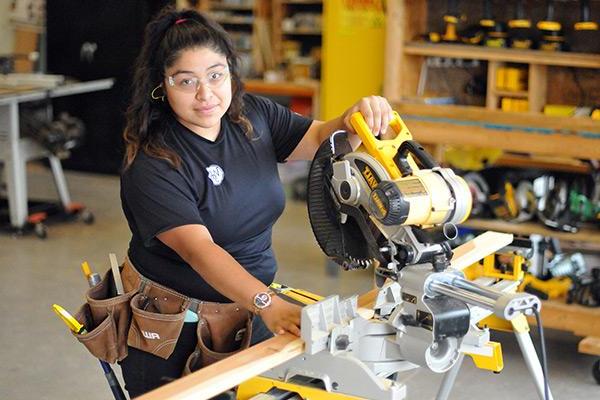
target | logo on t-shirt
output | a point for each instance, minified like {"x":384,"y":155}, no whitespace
{"x":215,"y":174}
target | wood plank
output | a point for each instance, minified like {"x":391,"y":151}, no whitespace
{"x":560,"y":164}
{"x":414,"y":11}
{"x":474,"y":250}
{"x":590,"y":345}
{"x":227,"y":373}
{"x":518,"y":141}
{"x":566,"y":59}
{"x":491,"y":98}
{"x":491,"y":117}
{"x":527,"y":228}
{"x":393,"y":51}
{"x":215,"y":379}
{"x":281,"y":88}
{"x":538,"y":86}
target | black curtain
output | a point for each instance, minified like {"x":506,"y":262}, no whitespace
{"x":92,"y":39}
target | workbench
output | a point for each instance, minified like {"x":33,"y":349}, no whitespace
{"x":16,"y":151}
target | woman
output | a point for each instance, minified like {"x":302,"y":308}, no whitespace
{"x":200,"y":188}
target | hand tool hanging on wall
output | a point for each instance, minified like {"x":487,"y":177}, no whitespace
{"x":585,"y":37}
{"x":519,"y":28}
{"x":553,"y":38}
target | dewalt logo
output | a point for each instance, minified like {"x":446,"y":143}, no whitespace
{"x":369,"y":177}
{"x":381,"y":208}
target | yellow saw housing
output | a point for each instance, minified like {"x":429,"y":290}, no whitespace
{"x":430,"y":195}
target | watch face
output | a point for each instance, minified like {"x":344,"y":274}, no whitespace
{"x":262,"y":300}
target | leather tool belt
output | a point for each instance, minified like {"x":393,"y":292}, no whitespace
{"x":149,"y":316}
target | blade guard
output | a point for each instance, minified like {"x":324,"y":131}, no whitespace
{"x":384,"y":151}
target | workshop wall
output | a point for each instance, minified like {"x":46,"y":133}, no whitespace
{"x":6,"y":29}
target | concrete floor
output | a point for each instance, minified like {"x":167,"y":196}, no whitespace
{"x":41,"y":360}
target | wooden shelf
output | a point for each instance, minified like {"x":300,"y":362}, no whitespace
{"x":546,"y":163}
{"x":233,"y":21}
{"x":528,"y":228}
{"x":564,"y":59}
{"x":308,"y":89}
{"x":527,"y":133}
{"x":521,"y":94}
{"x":314,"y":32}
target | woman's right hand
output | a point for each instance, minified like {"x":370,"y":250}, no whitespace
{"x":281,"y":317}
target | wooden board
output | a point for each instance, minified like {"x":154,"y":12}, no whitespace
{"x":281,"y":88}
{"x":513,"y":120}
{"x":581,"y":60}
{"x":518,"y":141}
{"x":590,"y":345}
{"x":528,"y":228}
{"x":474,"y":250}
{"x":232,"y":371}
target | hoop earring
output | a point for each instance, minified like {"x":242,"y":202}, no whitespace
{"x":154,"y":96}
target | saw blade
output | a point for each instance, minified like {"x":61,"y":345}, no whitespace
{"x":345,"y":243}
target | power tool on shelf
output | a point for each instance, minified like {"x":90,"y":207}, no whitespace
{"x":451,"y":20}
{"x":552,"y":35}
{"x":520,"y":28}
{"x":585,"y":37}
{"x":389,"y":205}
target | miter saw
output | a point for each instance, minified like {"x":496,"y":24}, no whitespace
{"x":389,"y":205}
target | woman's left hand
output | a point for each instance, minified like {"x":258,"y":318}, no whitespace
{"x":376,"y":111}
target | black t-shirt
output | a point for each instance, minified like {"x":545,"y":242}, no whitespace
{"x":231,"y":186}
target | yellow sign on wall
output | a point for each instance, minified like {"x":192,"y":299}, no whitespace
{"x":361,"y":14}
{"x":353,"y":53}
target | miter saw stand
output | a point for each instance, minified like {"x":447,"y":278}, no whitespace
{"x":426,"y":318}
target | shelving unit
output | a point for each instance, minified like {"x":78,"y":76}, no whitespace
{"x":241,"y":19}
{"x":405,"y":58}
{"x":297,"y":21}
{"x":537,"y":61}
{"x":525,"y":133}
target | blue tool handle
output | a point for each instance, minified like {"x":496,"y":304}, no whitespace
{"x":113,"y":382}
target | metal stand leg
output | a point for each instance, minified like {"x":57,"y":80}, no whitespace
{"x":15,"y":174}
{"x":533,"y":362}
{"x":60,"y":181}
{"x":521,"y":330}
{"x":449,"y":379}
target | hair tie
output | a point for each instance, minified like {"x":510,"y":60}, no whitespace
{"x":180,"y":20}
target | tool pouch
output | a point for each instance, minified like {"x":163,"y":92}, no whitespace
{"x":223,"y":330}
{"x":106,"y":318}
{"x":156,"y":322}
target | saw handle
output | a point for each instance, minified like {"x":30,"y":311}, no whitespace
{"x":418,"y":152}
{"x":383,"y":150}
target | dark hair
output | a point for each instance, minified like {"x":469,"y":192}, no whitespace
{"x":171,"y":32}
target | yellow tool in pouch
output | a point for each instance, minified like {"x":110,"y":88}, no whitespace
{"x":69,"y":320}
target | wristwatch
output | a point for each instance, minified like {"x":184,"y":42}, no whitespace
{"x":261,"y":301}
